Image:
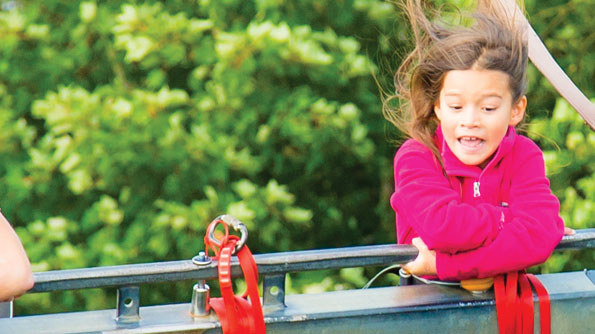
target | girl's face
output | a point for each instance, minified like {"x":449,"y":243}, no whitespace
{"x":475,"y":108}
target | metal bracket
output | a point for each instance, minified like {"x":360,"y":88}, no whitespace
{"x":128,"y":315}
{"x":273,"y":295}
{"x":6,"y":309}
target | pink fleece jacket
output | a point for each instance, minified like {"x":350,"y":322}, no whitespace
{"x":480,"y":222}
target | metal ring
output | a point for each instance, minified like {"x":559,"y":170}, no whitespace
{"x":236,"y":224}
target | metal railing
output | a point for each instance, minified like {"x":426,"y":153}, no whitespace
{"x":268,"y":264}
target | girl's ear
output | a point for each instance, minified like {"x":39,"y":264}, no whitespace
{"x":437,"y":110}
{"x":518,"y":111}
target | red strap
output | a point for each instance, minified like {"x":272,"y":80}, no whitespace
{"x":226,"y":288}
{"x":526,"y":305}
{"x":223,"y":240}
{"x":544,"y":304}
{"x":500,"y":295}
{"x":250,"y":271}
{"x":515,"y":315}
{"x":512,"y":301}
{"x":236,"y":313}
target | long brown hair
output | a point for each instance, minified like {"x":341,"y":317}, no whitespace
{"x":493,"y":42}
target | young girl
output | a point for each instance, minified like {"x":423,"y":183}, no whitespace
{"x":470,"y":193}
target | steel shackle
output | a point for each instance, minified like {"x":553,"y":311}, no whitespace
{"x":236,"y":224}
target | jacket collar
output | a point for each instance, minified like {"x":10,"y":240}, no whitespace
{"x":455,"y":167}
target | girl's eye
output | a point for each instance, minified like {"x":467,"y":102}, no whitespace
{"x":456,"y":107}
{"x":489,"y":109}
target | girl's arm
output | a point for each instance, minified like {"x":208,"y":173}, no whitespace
{"x":435,"y":210}
{"x":528,"y":239}
{"x":15,"y":271}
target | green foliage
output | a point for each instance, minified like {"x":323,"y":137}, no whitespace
{"x":569,"y":151}
{"x":127,"y":126}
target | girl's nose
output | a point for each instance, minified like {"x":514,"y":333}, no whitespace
{"x":470,"y":118}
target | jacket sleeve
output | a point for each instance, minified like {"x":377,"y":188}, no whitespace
{"x":534,"y":230}
{"x":436,"y":212}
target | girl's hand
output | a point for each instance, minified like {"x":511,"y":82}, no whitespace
{"x":569,"y":231}
{"x":425,"y":263}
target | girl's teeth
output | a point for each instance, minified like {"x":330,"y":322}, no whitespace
{"x":470,"y":141}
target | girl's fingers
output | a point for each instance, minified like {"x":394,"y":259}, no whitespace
{"x":411,"y":267}
{"x":414,"y":266}
{"x":569,"y":231}
{"x":425,"y":262}
{"x":419,"y":244}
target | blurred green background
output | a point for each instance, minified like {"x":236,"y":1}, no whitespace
{"x":127,"y":126}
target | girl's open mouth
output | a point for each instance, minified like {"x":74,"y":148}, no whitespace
{"x":471,"y":143}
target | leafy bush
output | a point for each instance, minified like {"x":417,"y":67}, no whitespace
{"x":569,"y":154}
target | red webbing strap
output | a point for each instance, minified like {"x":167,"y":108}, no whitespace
{"x":512,"y":300}
{"x":250,"y":271}
{"x":506,"y":301}
{"x":515,"y":310}
{"x":544,"y":304}
{"x":526,"y":324}
{"x":500,"y":295}
{"x":228,"y":323}
{"x":235,"y":313}
{"x":505,"y":290}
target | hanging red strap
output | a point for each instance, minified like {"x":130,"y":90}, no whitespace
{"x":526,"y":323}
{"x":225,"y":285}
{"x":250,"y":271}
{"x":544,"y":304}
{"x":512,"y":300}
{"x":500,"y":296}
{"x":514,"y":303}
{"x":236,"y":313}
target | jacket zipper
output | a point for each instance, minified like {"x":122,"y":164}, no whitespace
{"x":476,"y":189}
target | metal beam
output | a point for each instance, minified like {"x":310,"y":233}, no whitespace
{"x":268,"y":264}
{"x":405,"y":309}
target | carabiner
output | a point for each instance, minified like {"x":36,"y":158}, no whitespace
{"x":237,"y":225}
